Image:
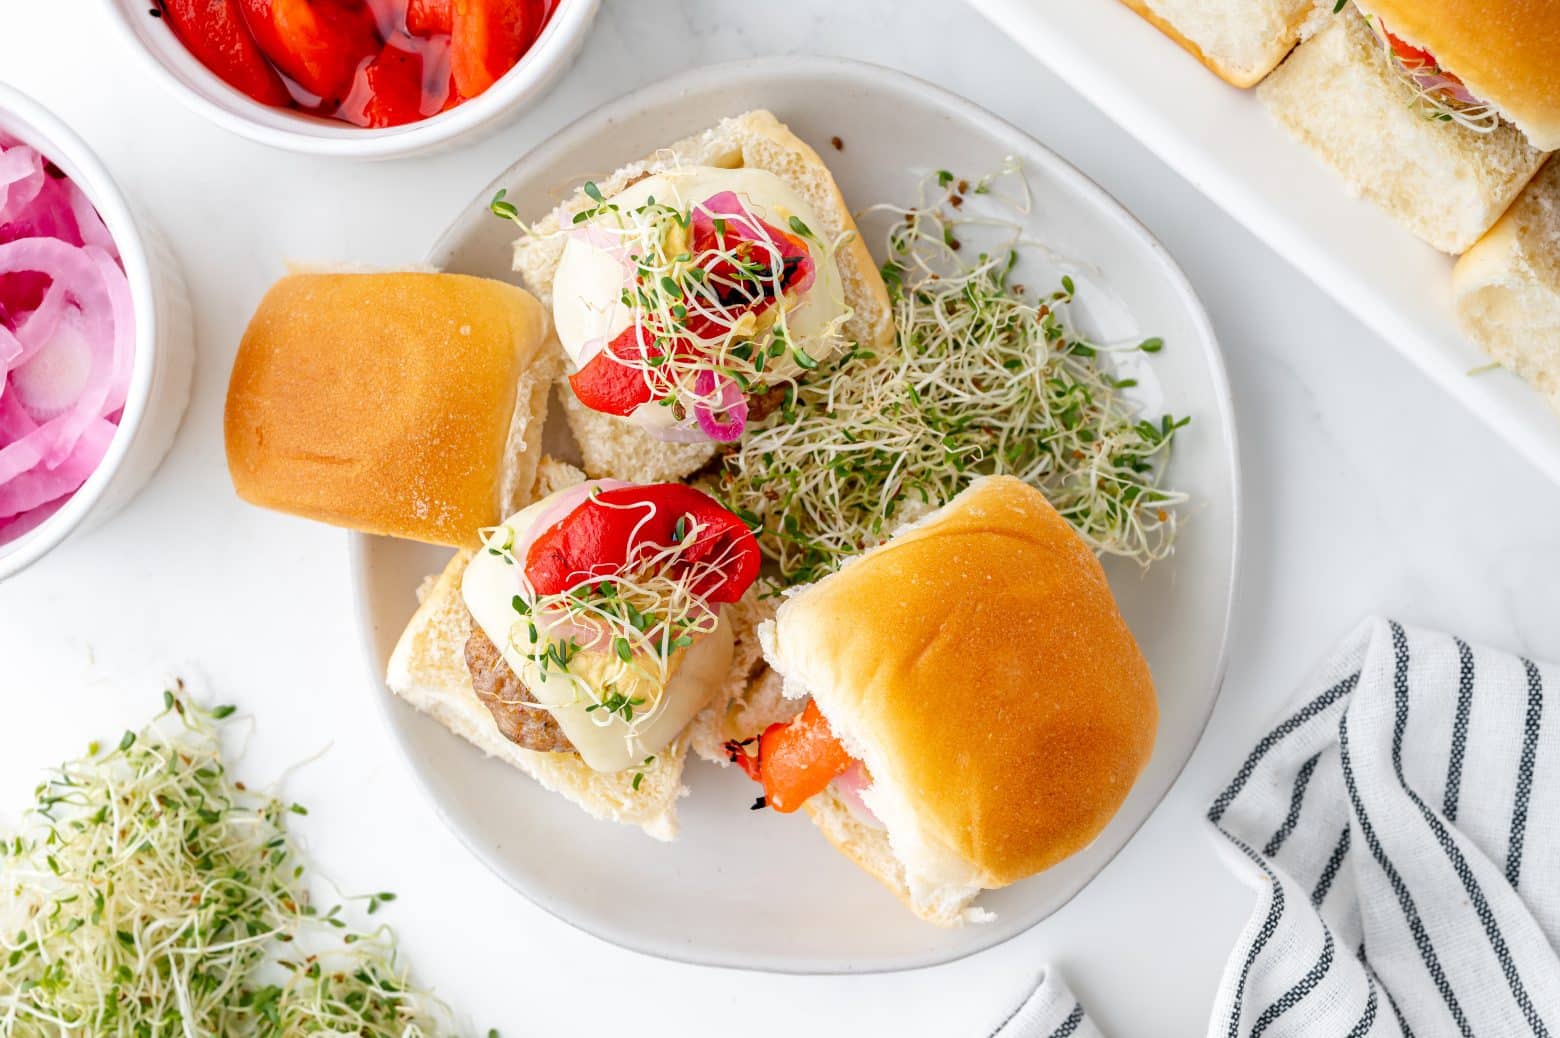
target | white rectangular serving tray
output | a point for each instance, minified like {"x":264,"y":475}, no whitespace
{"x":1224,"y":142}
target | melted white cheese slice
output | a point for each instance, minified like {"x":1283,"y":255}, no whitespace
{"x":588,"y":308}
{"x":604,"y":741}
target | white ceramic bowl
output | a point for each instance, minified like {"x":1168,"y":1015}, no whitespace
{"x":200,"y":89}
{"x":164,"y":341}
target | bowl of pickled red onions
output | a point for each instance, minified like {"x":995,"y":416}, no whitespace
{"x":95,"y":349}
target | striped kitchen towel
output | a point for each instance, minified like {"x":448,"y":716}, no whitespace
{"x":1050,"y":1011}
{"x":1402,"y":828}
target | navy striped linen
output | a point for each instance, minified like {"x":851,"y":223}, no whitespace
{"x":1407,"y":811}
{"x":1050,"y":1011}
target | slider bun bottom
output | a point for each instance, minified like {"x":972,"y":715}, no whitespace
{"x":1444,"y":182}
{"x":987,"y":680}
{"x":869,"y":848}
{"x":616,"y":448}
{"x":1507,"y":287}
{"x":1241,"y":41}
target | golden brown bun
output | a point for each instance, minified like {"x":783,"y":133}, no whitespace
{"x":986,"y":676}
{"x":406,"y":404}
{"x":1506,"y":51}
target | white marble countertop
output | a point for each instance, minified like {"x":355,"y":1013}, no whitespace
{"x":1366,"y":490}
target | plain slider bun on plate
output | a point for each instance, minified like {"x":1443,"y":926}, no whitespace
{"x":770,"y":175}
{"x":1366,"y":103}
{"x":1508,"y":286}
{"x":407,"y":404}
{"x":977,"y":667}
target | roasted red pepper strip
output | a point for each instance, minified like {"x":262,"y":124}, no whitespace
{"x":617,"y":386}
{"x":613,"y":527}
{"x":215,"y":33}
{"x":394,"y":81}
{"x":428,"y":17}
{"x":747,"y":239}
{"x":487,"y":38}
{"x":796,"y":759}
{"x":319,"y":43}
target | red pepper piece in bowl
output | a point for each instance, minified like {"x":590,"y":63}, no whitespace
{"x":319,"y":43}
{"x":394,"y":82}
{"x":428,"y":17}
{"x":214,"y":31}
{"x":487,"y":38}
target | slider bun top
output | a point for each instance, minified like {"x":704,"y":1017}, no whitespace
{"x":393,"y":403}
{"x":979,"y":666}
{"x":1505,"y":51}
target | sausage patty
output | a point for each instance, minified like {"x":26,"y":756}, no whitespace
{"x":508,"y":700}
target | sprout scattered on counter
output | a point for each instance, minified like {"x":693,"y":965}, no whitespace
{"x":987,"y":378}
{"x":148,"y":893}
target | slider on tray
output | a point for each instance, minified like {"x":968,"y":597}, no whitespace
{"x":1508,"y":287}
{"x":1439,"y":111}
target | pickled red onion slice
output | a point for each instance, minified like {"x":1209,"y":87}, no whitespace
{"x":49,"y":214}
{"x":56,"y":376}
{"x":66,"y":339}
{"x":849,"y":786}
{"x":21,"y":175}
{"x":42,"y":484}
{"x":732,"y":404}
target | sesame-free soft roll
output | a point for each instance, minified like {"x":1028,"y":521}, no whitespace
{"x":979,"y":709}
{"x":401,"y":403}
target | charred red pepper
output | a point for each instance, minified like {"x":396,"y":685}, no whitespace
{"x":614,"y":528}
{"x":796,"y":759}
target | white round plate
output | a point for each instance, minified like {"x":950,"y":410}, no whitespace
{"x":754,"y":889}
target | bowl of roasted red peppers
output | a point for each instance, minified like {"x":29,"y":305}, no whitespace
{"x":360,"y":78}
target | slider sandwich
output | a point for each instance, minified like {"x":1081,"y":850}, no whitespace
{"x":1507,"y":287}
{"x":1439,"y":111}
{"x":690,"y":289}
{"x":582,"y":640}
{"x":978,"y":709}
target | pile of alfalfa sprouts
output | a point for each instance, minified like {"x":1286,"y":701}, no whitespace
{"x":149,"y":893}
{"x":988,"y":377}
